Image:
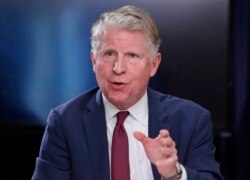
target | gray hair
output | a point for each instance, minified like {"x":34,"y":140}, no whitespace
{"x":130,"y":18}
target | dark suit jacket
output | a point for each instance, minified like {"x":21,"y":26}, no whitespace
{"x":74,"y":145}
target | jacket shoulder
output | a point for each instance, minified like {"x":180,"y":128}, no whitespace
{"x":78,"y":103}
{"x":175,"y":103}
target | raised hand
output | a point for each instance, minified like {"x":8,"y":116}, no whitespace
{"x":161,"y":151}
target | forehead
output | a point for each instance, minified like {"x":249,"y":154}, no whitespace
{"x":123,"y":37}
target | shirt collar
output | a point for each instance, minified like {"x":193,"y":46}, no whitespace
{"x":110,"y":109}
{"x":139,"y":111}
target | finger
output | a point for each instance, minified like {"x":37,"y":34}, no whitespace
{"x":164,"y":133}
{"x":167,"y":161}
{"x":167,"y":142}
{"x":141,"y":137}
{"x":168,"y":152}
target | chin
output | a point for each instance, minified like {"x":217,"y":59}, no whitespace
{"x":119,"y":102}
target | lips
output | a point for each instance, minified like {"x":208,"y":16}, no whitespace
{"x":117,"y":85}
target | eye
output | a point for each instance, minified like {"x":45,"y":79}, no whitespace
{"x":133,"y":55}
{"x":109,"y":53}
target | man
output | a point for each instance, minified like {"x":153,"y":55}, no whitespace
{"x":162,"y":137}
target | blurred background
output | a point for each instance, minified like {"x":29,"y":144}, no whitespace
{"x":45,"y":61}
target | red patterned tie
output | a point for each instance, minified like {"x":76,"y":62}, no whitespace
{"x":120,"y":152}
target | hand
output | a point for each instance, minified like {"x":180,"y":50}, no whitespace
{"x":161,"y":152}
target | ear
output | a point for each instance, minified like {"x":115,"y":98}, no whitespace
{"x":155,"y":64}
{"x":93,"y":60}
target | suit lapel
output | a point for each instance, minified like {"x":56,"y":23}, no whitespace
{"x":96,"y":136}
{"x":157,"y":121}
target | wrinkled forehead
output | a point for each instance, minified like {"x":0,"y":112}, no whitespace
{"x":123,"y":33}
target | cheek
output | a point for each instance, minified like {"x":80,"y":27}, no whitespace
{"x":141,"y":76}
{"x":101,"y":70}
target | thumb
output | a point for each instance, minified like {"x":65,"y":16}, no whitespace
{"x":141,"y":137}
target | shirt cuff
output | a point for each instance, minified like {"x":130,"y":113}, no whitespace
{"x":184,"y":173}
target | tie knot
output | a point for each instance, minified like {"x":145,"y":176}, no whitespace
{"x":121,"y":116}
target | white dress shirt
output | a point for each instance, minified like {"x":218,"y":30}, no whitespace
{"x":140,"y":166}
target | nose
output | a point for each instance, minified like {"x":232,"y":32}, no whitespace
{"x":119,"y":66}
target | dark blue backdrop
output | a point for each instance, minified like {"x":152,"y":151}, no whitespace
{"x":241,"y":105}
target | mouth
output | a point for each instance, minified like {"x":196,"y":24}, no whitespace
{"x":118,"y":85}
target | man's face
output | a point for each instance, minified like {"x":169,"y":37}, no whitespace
{"x":123,"y":66}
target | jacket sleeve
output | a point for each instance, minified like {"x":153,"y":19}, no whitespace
{"x":200,"y":162}
{"x":53,"y":162}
